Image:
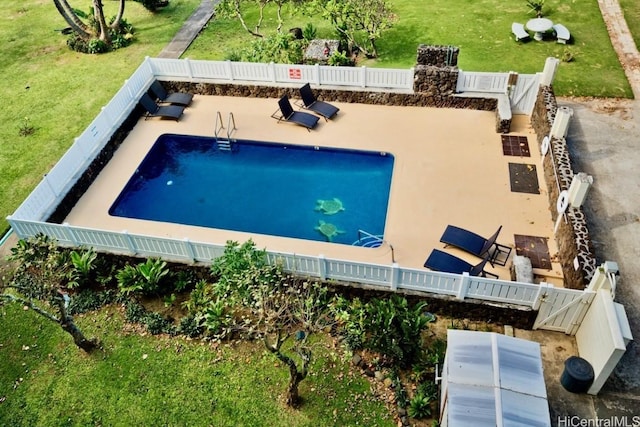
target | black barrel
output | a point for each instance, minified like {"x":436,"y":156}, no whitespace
{"x":577,"y":376}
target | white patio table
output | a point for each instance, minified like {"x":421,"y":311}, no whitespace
{"x":539,"y":26}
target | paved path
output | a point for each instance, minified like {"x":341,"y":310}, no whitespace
{"x":189,"y":31}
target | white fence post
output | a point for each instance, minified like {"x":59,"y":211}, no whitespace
{"x":317,"y":71}
{"x":464,"y":286}
{"x":322,"y":267}
{"x":272,"y":72}
{"x":189,"y":71}
{"x":229,"y":69}
{"x":395,"y":276}
{"x":70,"y":234}
{"x":363,"y":76}
{"x":129,"y":240}
{"x":189,"y":249}
{"x":543,"y":289}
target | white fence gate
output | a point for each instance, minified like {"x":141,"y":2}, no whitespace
{"x":522,"y":89}
{"x":563,"y":310}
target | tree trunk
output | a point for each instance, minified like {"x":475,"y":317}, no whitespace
{"x":68,"y":325}
{"x":116,"y":22}
{"x":72,"y":20}
{"x":295,"y":375}
{"x":79,"y":339}
{"x":102,"y":24}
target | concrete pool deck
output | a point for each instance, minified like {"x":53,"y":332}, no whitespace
{"x":449,"y":169}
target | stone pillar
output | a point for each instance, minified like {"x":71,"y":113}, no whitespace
{"x":436,"y":72}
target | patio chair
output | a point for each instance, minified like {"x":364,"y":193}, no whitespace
{"x":477,"y":245}
{"x":176,"y":98}
{"x":310,"y":102}
{"x":442,"y":261}
{"x":163,"y":111}
{"x":562,"y":33}
{"x":287,"y":114}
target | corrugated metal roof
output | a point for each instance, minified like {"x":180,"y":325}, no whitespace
{"x":493,"y":380}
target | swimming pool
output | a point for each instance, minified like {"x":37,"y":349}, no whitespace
{"x":312,"y":193}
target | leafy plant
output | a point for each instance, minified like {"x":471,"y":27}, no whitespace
{"x":25,"y":128}
{"x":394,"y":328}
{"x":83,"y":267}
{"x":419,"y":407}
{"x":217,"y":319}
{"x":168,"y":300}
{"x":567,"y":55}
{"x":535,"y":6}
{"x":156,"y":324}
{"x":309,"y":32}
{"x":402,"y":398}
{"x":144,"y":278}
{"x":339,"y":58}
{"x":190,"y":327}
{"x":129,"y":282}
{"x":89,"y":300}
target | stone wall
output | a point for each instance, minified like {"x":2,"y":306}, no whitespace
{"x":572,"y":236}
{"x":428,"y":99}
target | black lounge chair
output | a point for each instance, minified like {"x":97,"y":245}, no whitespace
{"x":298,"y":117}
{"x":477,"y":245}
{"x":442,"y":261}
{"x":164,"y":111}
{"x":310,"y":102}
{"x":176,"y":98}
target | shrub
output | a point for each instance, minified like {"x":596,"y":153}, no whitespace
{"x":25,"y":128}
{"x":83,"y":266}
{"x":88,"y":300}
{"x":419,"y":407}
{"x":190,"y":327}
{"x":144,"y":278}
{"x":156,"y":324}
{"x":134,"y":312}
{"x":309,"y":32}
{"x":394,"y":329}
{"x":280,"y":48}
{"x":339,"y":58}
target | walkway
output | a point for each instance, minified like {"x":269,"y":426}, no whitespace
{"x":190,"y":30}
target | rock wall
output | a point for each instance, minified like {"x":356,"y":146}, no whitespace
{"x":572,"y":236}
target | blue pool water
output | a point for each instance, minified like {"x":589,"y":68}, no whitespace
{"x":259,"y":187}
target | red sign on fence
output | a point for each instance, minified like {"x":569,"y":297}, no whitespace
{"x":295,"y":73}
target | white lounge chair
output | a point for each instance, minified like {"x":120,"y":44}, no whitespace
{"x":519,"y":32}
{"x":562,"y":33}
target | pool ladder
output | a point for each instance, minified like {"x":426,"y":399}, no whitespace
{"x":368,"y":240}
{"x":224,"y":144}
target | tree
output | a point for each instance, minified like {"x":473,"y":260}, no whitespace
{"x":91,"y":33}
{"x":238,"y":9}
{"x":352,"y":18}
{"x":257,"y":299}
{"x":38,"y":283}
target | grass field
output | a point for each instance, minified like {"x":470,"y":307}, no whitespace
{"x":156,"y":380}
{"x":482,"y":31}
{"x":45,"y":380}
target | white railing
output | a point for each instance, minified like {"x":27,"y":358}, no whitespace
{"x":206,"y":71}
{"x":388,"y":277}
{"x":482,"y":82}
{"x":28,"y":219}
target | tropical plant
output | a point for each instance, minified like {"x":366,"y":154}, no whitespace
{"x":143,"y":278}
{"x":419,"y":407}
{"x":309,"y":32}
{"x":535,"y":6}
{"x":96,"y":28}
{"x":83,"y":267}
{"x":339,"y":58}
{"x":37,"y":284}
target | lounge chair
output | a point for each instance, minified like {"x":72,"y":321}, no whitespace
{"x":298,"y":117}
{"x":476,"y":245}
{"x":310,"y":102}
{"x":442,"y":261}
{"x":176,"y":98}
{"x":164,"y":111}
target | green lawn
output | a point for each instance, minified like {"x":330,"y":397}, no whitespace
{"x":482,"y":31}
{"x":60,"y":91}
{"x":631,"y":10}
{"x":149,"y":380}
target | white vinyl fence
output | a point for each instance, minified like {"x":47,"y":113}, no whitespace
{"x":29,"y":219}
